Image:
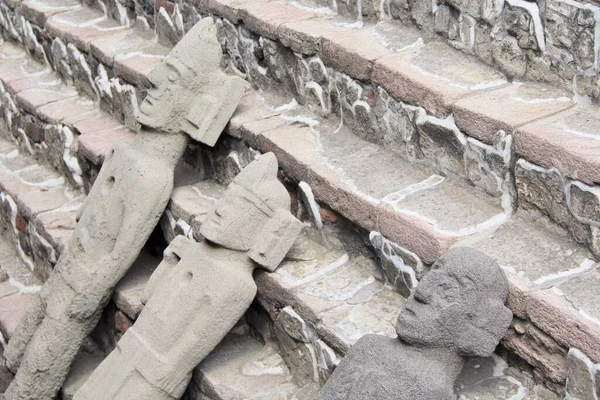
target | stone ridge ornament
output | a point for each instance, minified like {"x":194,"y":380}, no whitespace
{"x":200,"y":290}
{"x":191,"y":97}
{"x":457,"y":311}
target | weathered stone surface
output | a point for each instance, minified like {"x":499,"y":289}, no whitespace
{"x":129,"y":290}
{"x":567,"y":141}
{"x":538,"y":349}
{"x":249,"y":226}
{"x":400,"y":265}
{"x":486,"y":379}
{"x":417,"y":76}
{"x":581,"y":380}
{"x":81,"y":26}
{"x":265,"y":17}
{"x":97,"y":145}
{"x":242,"y":368}
{"x":545,"y":256}
{"x":83,"y":366}
{"x":13,"y":305}
{"x":38,"y":11}
{"x":378,"y":367}
{"x":483,"y":115}
{"x":76,"y":294}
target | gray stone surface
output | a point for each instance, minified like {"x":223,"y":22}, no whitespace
{"x":200,"y":290}
{"x":117,"y":218}
{"x":242,"y":368}
{"x":457,"y":311}
{"x":581,"y":379}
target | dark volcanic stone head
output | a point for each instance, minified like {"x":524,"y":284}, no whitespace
{"x":254,"y":215}
{"x":459,"y":304}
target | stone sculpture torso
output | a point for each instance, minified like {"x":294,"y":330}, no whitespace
{"x":200,"y":290}
{"x":378,"y":367}
{"x":207,"y":291}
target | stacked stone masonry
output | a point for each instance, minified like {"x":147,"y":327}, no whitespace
{"x":404,"y":136}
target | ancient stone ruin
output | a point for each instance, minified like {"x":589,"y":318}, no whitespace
{"x":402,"y":131}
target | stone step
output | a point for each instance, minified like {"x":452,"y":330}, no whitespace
{"x":534,"y":297}
{"x":419,"y":98}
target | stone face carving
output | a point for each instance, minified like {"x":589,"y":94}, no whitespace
{"x":200,"y":290}
{"x":457,"y":311}
{"x":121,"y":211}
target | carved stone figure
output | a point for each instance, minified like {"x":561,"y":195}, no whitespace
{"x":200,"y":290}
{"x":457,"y":311}
{"x":122,"y":209}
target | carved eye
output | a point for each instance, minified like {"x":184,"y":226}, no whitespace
{"x":172,"y":77}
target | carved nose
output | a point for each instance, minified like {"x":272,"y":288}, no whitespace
{"x":422,"y":295}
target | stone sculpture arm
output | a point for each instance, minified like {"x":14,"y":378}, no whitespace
{"x":171,"y":256}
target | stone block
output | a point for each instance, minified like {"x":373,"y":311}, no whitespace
{"x":434,"y":76}
{"x":581,"y":380}
{"x":355,"y":51}
{"x":81,"y":369}
{"x":241,"y":365}
{"x":483,"y":115}
{"x":567,"y":141}
{"x":129,"y":290}
{"x":38,"y":11}
{"x":265,"y":17}
{"x":533,"y":248}
{"x":58,"y":111}
{"x":124,"y":43}
{"x":95,"y":146}
{"x":81,"y":26}
{"x":191,"y":203}
{"x":31,"y":99}
{"x":13,"y":306}
{"x":136,"y":68}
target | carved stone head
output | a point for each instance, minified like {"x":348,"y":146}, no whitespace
{"x":253,"y":215}
{"x":189,"y":93}
{"x":459,"y":304}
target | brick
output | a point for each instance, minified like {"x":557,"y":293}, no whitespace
{"x":128,"y":292}
{"x":35,"y":202}
{"x":12,"y":309}
{"x":413,"y":233}
{"x":135,"y":69}
{"x":228,"y":9}
{"x":37,"y":12}
{"x":73,"y":27}
{"x":95,"y":146}
{"x":568,"y":141}
{"x":34,"y":131}
{"x":21,"y":224}
{"x":123,"y":43}
{"x":122,"y":323}
{"x":31,"y":100}
{"x":484,"y":114}
{"x":354,"y":52}
{"x":58,"y":111}
{"x":434,"y":76}
{"x":95,"y":122}
{"x":265,"y":17}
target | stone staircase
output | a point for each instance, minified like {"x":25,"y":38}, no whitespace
{"x":404,"y":146}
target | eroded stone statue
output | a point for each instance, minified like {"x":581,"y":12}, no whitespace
{"x":190,"y":97}
{"x":457,"y":311}
{"x":200,"y":290}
